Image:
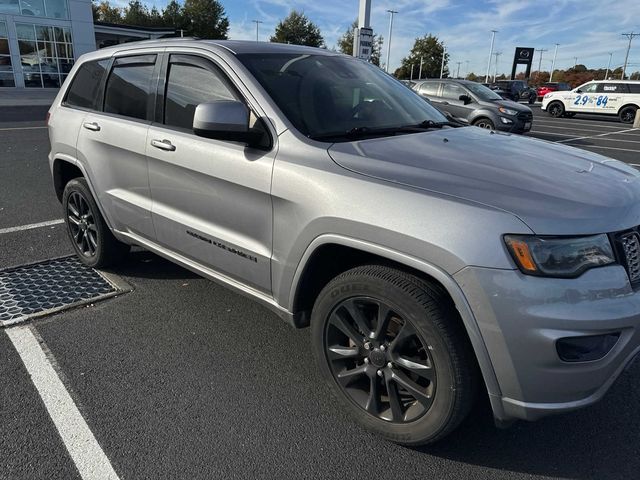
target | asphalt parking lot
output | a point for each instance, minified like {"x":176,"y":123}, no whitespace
{"x":181,"y":378}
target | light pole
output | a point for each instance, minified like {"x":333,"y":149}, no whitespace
{"x":391,"y":14}
{"x":553,"y":64}
{"x":626,"y":58}
{"x":606,"y":74}
{"x":458,"y":72}
{"x":575,"y":62}
{"x":444,"y":55}
{"x":541,"y":50}
{"x":467,"y":70}
{"x":420,"y":71}
{"x":495,"y":72}
{"x":411,"y":78}
{"x":493,"y":37}
{"x":257,"y":22}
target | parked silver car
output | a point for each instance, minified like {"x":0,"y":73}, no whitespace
{"x":431,"y":262}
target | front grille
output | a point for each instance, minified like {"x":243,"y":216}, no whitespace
{"x":526,"y":116}
{"x":631,"y":248}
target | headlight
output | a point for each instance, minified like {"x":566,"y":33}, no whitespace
{"x":507,"y":111}
{"x":557,"y":256}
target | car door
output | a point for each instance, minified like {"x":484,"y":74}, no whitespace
{"x":582,"y":99}
{"x":211,"y":198}
{"x":451,"y":93}
{"x":112,"y":143}
{"x":610,"y":97}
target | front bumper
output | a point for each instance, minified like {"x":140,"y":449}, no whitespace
{"x":522,"y":317}
{"x":518,"y":124}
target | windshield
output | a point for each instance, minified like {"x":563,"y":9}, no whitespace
{"x":482,"y":92}
{"x":325,"y":94}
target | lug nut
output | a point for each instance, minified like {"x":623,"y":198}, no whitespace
{"x":366,"y":360}
{"x":390,"y":365}
{"x":367,"y":346}
{"x":383,"y":348}
{"x":379,"y":373}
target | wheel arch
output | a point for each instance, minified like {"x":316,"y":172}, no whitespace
{"x":323,"y":260}
{"x":65,"y":168}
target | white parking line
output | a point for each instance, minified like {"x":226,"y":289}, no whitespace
{"x":600,"y":135}
{"x":565,"y":121}
{"x":20,"y":128}
{"x":89,"y":458}
{"x":31,"y":226}
{"x":602,"y":147}
{"x":552,"y":133}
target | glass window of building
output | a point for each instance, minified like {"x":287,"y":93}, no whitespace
{"x":6,"y":70}
{"x":46,"y":54}
{"x":36,"y":8}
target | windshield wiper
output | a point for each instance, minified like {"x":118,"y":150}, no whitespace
{"x":363,"y":132}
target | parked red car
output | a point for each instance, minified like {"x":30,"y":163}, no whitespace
{"x":545,"y":88}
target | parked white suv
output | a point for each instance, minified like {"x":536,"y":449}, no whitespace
{"x":606,"y":97}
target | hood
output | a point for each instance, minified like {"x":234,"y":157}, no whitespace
{"x":554,"y":189}
{"x":510,"y":104}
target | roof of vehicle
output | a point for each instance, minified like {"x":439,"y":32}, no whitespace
{"x":613,"y":81}
{"x":456,"y":80}
{"x":235,"y":47}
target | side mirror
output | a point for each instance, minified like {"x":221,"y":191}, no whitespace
{"x":578,"y":90}
{"x":465,"y":98}
{"x":224,"y":120}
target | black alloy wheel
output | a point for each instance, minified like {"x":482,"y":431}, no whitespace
{"x":82,"y":225}
{"x":90,"y":236}
{"x":380,"y":360}
{"x":392,"y":348}
{"x":627,"y":114}
{"x":556,"y":109}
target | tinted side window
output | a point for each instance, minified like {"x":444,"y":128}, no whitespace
{"x":192,"y":81}
{"x":612,"y":88}
{"x":452,"y":91}
{"x":429,"y":88}
{"x":129,"y":90}
{"x":634,"y":87}
{"x":83,"y":91}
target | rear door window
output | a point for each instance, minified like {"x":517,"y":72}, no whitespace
{"x":130,"y":87}
{"x":85,"y":86}
{"x":634,"y":87}
{"x":612,"y":88}
{"x":429,"y":88}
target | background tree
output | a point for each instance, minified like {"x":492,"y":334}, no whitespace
{"x":473,"y":77}
{"x":205,"y":19}
{"x":172,"y":15}
{"x":345,"y":44}
{"x":431,"y":50}
{"x":104,"y":12}
{"x":136,"y":13}
{"x":298,"y":30}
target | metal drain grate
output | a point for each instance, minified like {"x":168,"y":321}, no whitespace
{"x":50,"y":286}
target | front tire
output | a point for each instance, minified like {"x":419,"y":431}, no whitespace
{"x":484,"y":123}
{"x":392,"y":349}
{"x":556,"y":109}
{"x":90,"y":236}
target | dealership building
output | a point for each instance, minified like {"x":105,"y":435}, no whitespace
{"x":41,"y":39}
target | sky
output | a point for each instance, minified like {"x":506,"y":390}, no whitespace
{"x":586,"y":29}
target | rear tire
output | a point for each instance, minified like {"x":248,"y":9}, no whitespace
{"x":556,"y":109}
{"x":393,"y":350}
{"x":484,"y":123}
{"x":90,"y":236}
{"x":627,"y":114}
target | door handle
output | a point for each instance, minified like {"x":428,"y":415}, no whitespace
{"x":163,"y":145}
{"x":93,"y":126}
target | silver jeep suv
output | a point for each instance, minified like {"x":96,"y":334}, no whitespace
{"x":432,"y":262}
